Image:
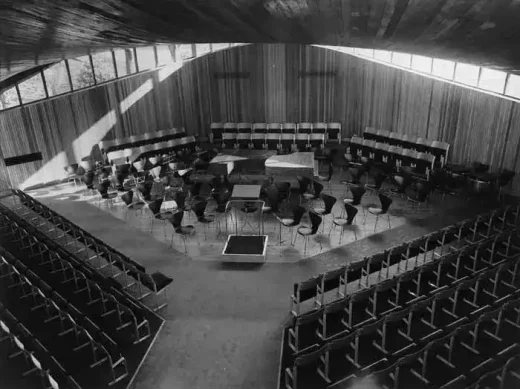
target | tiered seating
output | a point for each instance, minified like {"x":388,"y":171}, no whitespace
{"x":421,"y":145}
{"x":71,"y":301}
{"x":423,"y":249}
{"x":37,"y":357}
{"x":454,"y":317}
{"x":130,"y":275}
{"x":274,"y":136}
{"x":127,"y":153}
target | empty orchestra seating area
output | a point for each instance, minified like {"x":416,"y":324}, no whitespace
{"x":297,"y":214}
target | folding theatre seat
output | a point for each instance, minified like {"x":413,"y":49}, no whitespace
{"x":303,"y":291}
{"x":391,"y":341}
{"x":408,"y":141}
{"x":289,"y":128}
{"x":355,"y":147}
{"x":272,"y":140}
{"x":229,"y":140}
{"x":409,"y":157}
{"x":380,"y":302}
{"x":332,"y":364}
{"x":362,"y":354}
{"x":367,"y":150}
{"x":305,"y":367}
{"x":382,"y":136}
{"x":330,"y":324}
{"x":244,"y":140}
{"x":370,"y":133}
{"x":440,"y":151}
{"x":302,"y":334}
{"x":334,"y":132}
{"x":274,"y":128}
{"x":356,"y":313}
{"x":258,"y":140}
{"x":394,"y":139}
{"x":259,"y":128}
{"x":287,"y":141}
{"x":319,"y":128}
{"x":424,"y":164}
{"x":380,"y":154}
{"x":334,"y":279}
{"x":317,"y":139}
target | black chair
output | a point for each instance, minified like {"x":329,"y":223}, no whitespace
{"x":383,"y":210}
{"x":307,"y":231}
{"x":284,"y":190}
{"x":401,"y":181}
{"x":357,"y":194}
{"x":317,"y":189}
{"x":304,"y":183}
{"x":328,"y":177}
{"x":292,"y":221}
{"x":178,"y":228}
{"x":328,"y":204}
{"x":342,"y":222}
{"x":271,"y":203}
{"x":128,"y":199}
{"x":106,"y":197}
{"x":356,"y":173}
{"x":422,"y":190}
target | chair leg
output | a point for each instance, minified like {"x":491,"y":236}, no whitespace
{"x":375,"y":224}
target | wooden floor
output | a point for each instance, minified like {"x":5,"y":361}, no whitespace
{"x":223,"y":322}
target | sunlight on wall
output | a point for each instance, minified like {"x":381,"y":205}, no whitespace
{"x":52,"y":170}
{"x":136,"y":95}
{"x":82,"y":146}
{"x":167,"y":71}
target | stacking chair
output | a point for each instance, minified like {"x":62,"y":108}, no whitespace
{"x":128,"y":199}
{"x":328,"y":177}
{"x":304,"y":183}
{"x":357,"y":194}
{"x":319,"y":128}
{"x":258,"y":140}
{"x":229,"y":139}
{"x":391,"y":341}
{"x":370,"y":133}
{"x":289,"y":128}
{"x":366,"y":357}
{"x":379,"y":178}
{"x":440,"y":151}
{"x":334,"y":132}
{"x":178,"y":228}
{"x":307,"y":231}
{"x":303,"y":362}
{"x":317,"y":188}
{"x":383,"y":210}
{"x":328,"y":204}
{"x":355,"y":147}
{"x":274,"y":128}
{"x":244,"y":128}
{"x":350,"y":212}
{"x":272,"y":140}
{"x":409,"y":141}
{"x":317,"y":140}
{"x":330,"y":324}
{"x":216,"y":133}
{"x":302,"y":140}
{"x":422,"y":190}
{"x":303,"y":291}
{"x":291,"y":222}
{"x":287,"y":140}
{"x":244,"y":139}
{"x":303,"y":334}
{"x":304,"y":128}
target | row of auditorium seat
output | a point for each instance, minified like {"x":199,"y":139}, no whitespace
{"x":435,"y":147}
{"x":37,"y":357}
{"x":337,"y":279}
{"x":391,"y":156}
{"x":140,"y":140}
{"x":133,"y":273}
{"x":414,"y":312}
{"x":130,"y":154}
{"x":272,"y":141}
{"x":331,"y":131}
{"x":62,"y":287}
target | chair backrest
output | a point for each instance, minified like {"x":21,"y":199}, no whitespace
{"x":311,"y":357}
{"x":128,"y":197}
{"x":318,"y":188}
{"x":156,"y":171}
{"x":155,"y":206}
{"x":176,"y":220}
{"x":305,"y":128}
{"x":357,"y":193}
{"x":304,"y":183}
{"x":259,"y":127}
{"x":315,"y":221}
{"x":385,"y":202}
{"x":298,"y":214}
{"x":329,"y":202}
{"x":199,"y":208}
{"x":351,"y":212}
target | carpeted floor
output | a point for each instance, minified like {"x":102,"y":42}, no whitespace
{"x":224,"y":322}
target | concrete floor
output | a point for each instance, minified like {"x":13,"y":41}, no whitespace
{"x":224,"y":322}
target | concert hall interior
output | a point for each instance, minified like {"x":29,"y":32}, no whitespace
{"x":330,"y":201}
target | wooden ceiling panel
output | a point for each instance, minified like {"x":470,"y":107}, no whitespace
{"x":33,"y":32}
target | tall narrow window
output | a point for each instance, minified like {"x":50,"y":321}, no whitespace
{"x":402,"y":59}
{"x":165,"y":55}
{"x":9,"y":98}
{"x":103,"y":66}
{"x":57,"y":79}
{"x":125,"y":62}
{"x":513,"y":86}
{"x":492,"y":80}
{"x":466,"y":74}
{"x":444,"y":69}
{"x":184,"y":52}
{"x":202,"y":48}
{"x":32,"y":89}
{"x":365,"y":52}
{"x":219,"y":46}
{"x":422,"y":64}
{"x":145,"y":58}
{"x":81,"y":72}
{"x":383,"y":55}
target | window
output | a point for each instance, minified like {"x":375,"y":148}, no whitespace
{"x":9,"y":98}
{"x":184,"y":52}
{"x":513,"y":86}
{"x":492,"y":80}
{"x":467,"y":74}
{"x":103,"y":66}
{"x":349,"y":50}
{"x":422,"y":64}
{"x":402,"y":59}
{"x":81,"y":72}
{"x":444,"y":69}
{"x":202,"y":48}
{"x":57,"y":79}
{"x":125,"y":62}
{"x":32,"y":89}
{"x":165,"y":55}
{"x":146,"y":58}
{"x":219,"y":46}
{"x":383,"y":55}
